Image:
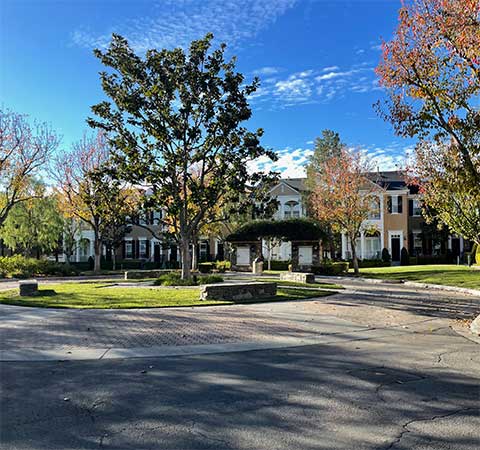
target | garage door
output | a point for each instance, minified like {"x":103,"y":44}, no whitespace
{"x":304,"y":256}
{"x":243,"y":256}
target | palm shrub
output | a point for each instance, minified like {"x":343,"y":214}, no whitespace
{"x":404,"y":257}
{"x":386,"y":255}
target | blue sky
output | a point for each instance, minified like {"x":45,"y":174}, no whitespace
{"x":315,"y":59}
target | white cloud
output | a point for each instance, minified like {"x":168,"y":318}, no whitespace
{"x":295,"y":89}
{"x":266,"y":71}
{"x":176,"y":23}
{"x":330,"y":75}
{"x":291,"y":163}
{"x":330,"y":68}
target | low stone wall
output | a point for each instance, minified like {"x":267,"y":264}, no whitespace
{"x":28,"y":288}
{"x":298,"y":277}
{"x":237,"y":291}
{"x":138,"y":274}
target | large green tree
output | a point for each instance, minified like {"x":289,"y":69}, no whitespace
{"x":34,"y":226}
{"x":431,"y":72}
{"x":175,"y":122}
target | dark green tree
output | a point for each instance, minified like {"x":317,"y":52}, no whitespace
{"x":175,"y":123}
{"x":326,"y":147}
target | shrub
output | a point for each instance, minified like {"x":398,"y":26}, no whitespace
{"x":174,"y":279}
{"x":330,"y":268}
{"x":477,"y":254}
{"x":386,"y":258}
{"x":277,"y":265}
{"x":365,"y":263}
{"x":206,"y":267}
{"x":404,"y":257}
{"x":223,"y":266}
{"x":18,"y":266}
{"x":432,"y":259}
{"x":210,"y":279}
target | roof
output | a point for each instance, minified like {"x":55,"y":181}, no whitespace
{"x":295,"y":183}
{"x":393,"y":180}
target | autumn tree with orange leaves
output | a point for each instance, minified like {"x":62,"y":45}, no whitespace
{"x":89,"y":192}
{"x":431,"y":71}
{"x":343,"y":195}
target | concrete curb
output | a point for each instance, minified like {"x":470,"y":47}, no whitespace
{"x":84,"y":353}
{"x":439,"y":287}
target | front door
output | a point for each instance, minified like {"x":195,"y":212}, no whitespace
{"x":395,"y":243}
{"x":455,"y":247}
{"x":156,"y":252}
{"x":243,"y":256}
{"x":305,"y":256}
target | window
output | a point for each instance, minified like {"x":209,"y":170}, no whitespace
{"x":128,"y":249}
{"x":395,"y":204}
{"x":143,"y":248}
{"x":287,"y":214}
{"x":416,"y":208}
{"x":374,"y":213}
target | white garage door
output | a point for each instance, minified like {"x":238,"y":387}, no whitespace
{"x":243,"y":256}
{"x":304,"y":256}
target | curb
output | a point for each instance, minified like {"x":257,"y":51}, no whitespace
{"x":440,"y":287}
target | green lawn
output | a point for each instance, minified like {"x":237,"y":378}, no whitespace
{"x":102,"y":295}
{"x":450,"y":275}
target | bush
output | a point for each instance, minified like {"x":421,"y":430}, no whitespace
{"x":174,"y":279}
{"x":365,"y":263}
{"x":18,"y":266}
{"x":404,"y":257}
{"x":330,"y":268}
{"x":206,"y":267}
{"x":477,"y":254}
{"x":276,"y":265}
{"x":223,"y":266}
{"x":432,"y":259}
{"x":210,"y":279}
{"x":386,"y":258}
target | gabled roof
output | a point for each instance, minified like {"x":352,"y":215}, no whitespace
{"x":296,"y":183}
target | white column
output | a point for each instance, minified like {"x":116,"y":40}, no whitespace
{"x":344,"y":246}
{"x":77,"y":250}
{"x":92,"y":249}
{"x":362,"y":243}
{"x":461,"y":244}
{"x":152,"y":249}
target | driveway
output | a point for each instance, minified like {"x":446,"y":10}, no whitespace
{"x":373,"y":367}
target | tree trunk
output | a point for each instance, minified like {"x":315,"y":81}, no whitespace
{"x":194,"y":254}
{"x":185,"y":256}
{"x":97,"y":248}
{"x":114,"y":257}
{"x":354,"y":257}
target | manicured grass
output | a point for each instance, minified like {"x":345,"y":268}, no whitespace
{"x":449,"y":275}
{"x":103,"y":295}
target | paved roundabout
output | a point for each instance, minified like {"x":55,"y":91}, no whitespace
{"x":372,"y":367}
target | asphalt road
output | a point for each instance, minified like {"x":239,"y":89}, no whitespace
{"x":407,"y":382}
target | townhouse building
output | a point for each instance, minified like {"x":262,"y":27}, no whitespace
{"x":395,"y":221}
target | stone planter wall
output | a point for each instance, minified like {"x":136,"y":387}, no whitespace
{"x":298,"y":277}
{"x":236,"y":291}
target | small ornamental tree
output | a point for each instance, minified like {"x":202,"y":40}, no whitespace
{"x":343,"y":194}
{"x":431,"y":71}
{"x":175,"y":122}
{"x":24,"y":149}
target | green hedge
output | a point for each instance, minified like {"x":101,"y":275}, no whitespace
{"x":277,"y":265}
{"x":174,"y":279}
{"x":139,"y":274}
{"x":366,"y":263}
{"x":18,"y":266}
{"x":330,"y":268}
